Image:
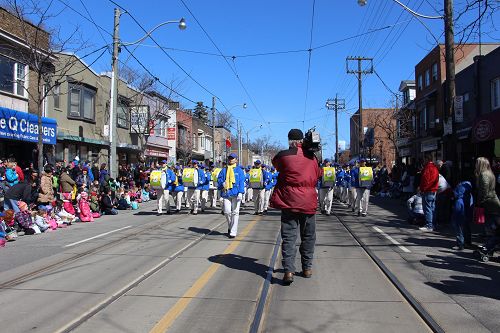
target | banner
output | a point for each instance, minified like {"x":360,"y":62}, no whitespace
{"x":17,"y":125}
{"x":171,"y":133}
{"x":459,"y":109}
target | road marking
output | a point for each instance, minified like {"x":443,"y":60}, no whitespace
{"x":95,"y":309}
{"x":168,"y":319}
{"x":104,"y":234}
{"x":393,"y":241}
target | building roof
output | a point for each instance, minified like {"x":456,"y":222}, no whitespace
{"x":406,"y":84}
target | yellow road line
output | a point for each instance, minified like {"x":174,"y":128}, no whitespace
{"x":168,"y":319}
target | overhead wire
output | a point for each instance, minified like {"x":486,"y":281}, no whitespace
{"x":233,"y":69}
{"x":166,"y":53}
{"x":309,"y":62}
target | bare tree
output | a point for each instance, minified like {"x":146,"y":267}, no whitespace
{"x":385,"y":131}
{"x":224,"y":119}
{"x":265,"y":145}
{"x":40,"y":53}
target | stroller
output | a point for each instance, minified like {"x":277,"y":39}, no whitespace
{"x":485,"y":252}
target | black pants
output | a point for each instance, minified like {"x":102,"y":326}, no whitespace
{"x":289,"y":223}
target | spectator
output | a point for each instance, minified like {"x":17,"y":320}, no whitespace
{"x":18,"y":192}
{"x":428,"y":187}
{"x":462,"y":214}
{"x":46,"y":192}
{"x":415,"y":209}
{"x":66,"y":182}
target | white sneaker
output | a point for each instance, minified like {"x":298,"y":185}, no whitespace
{"x":425,"y":229}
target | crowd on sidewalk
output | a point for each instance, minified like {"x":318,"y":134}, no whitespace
{"x":434,"y":198}
{"x":79,"y":191}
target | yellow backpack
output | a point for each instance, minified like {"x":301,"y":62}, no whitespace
{"x":256,"y":178}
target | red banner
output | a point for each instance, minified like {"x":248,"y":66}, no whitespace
{"x":171,"y":133}
{"x":228,"y":143}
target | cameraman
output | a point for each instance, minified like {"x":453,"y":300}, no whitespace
{"x":295,"y":194}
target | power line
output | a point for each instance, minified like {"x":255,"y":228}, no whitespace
{"x":233,"y":69}
{"x":168,"y":55}
{"x":86,"y":18}
{"x":309,"y":60}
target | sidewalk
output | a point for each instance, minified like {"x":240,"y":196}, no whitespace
{"x":471,"y":284}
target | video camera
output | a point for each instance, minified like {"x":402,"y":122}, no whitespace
{"x":312,"y":141}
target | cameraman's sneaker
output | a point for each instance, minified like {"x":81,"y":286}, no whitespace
{"x":426,"y":229}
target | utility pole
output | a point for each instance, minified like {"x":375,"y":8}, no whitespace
{"x":336,"y":104}
{"x":213,"y":129}
{"x":114,"y":96}
{"x":450,"y":75}
{"x":359,"y":72}
{"x":238,"y":132}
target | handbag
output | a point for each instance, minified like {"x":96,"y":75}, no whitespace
{"x":478,"y":217}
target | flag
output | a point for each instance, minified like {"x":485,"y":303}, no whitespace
{"x":228,"y":143}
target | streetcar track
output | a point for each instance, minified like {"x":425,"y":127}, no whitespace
{"x":33,"y":274}
{"x":412,"y":301}
{"x":75,"y":323}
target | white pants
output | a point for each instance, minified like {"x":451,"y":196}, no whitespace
{"x":258,"y":200}
{"x":351,"y":198}
{"x":232,"y":213}
{"x":204,"y":199}
{"x":267,"y":197}
{"x":186,"y":198}
{"x":326,"y":199}
{"x":193,"y":197}
{"x":362,"y":198}
{"x":178,"y":199}
{"x":344,"y":194}
{"x":163,"y":195}
{"x":249,"y":194}
{"x":213,"y":197}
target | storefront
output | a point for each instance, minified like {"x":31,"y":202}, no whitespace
{"x":156,"y":154}
{"x":128,"y":153}
{"x":69,"y":146}
{"x":19,"y":132}
{"x":486,"y":135}
{"x":434,"y":147}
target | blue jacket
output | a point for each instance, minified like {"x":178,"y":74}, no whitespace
{"x":247,"y":179}
{"x":462,"y":205}
{"x":170,"y":180}
{"x":206,"y":184}
{"x":339,"y":179}
{"x":347,"y":179}
{"x":268,"y":180}
{"x":238,"y":187}
{"x":11,"y":177}
{"x":180,"y":185}
{"x":275,"y":178}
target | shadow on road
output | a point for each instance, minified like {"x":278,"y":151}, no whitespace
{"x":241,"y":263}
{"x":205,"y":231}
{"x":473,"y":277}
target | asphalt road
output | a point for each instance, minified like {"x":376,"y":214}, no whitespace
{"x":138,"y":272}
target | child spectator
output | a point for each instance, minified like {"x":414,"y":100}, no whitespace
{"x":107,"y":206}
{"x":94,"y":202}
{"x":24,"y":220}
{"x":3,"y":231}
{"x":66,"y":217}
{"x":415,"y":209}
{"x":122,"y":203}
{"x":461,"y":215}
{"x":84,"y":208}
{"x":11,"y":176}
{"x":41,"y":219}
{"x":145,"y":193}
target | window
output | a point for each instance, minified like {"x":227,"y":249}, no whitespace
{"x":13,"y":77}
{"x":406,"y":97}
{"x":434,"y":72}
{"x":419,"y":82}
{"x":122,"y":109}
{"x":81,"y":102}
{"x":495,"y":94}
{"x":427,"y":78}
{"x":431,"y":110}
{"x":423,"y":120}
{"x":158,"y":128}
{"x":56,"y":91}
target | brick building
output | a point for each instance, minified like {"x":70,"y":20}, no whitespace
{"x":378,"y":143}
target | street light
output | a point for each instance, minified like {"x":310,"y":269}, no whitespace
{"x":408,"y":9}
{"x":114,"y":82}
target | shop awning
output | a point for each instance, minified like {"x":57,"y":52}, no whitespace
{"x":486,"y":127}
{"x":23,"y":126}
{"x":81,"y":139}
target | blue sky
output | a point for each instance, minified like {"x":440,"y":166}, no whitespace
{"x":281,"y":90}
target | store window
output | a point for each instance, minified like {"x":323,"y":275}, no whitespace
{"x":81,"y":102}
{"x":495,"y":94}
{"x":13,"y":77}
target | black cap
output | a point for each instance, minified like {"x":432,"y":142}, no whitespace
{"x":295,"y":134}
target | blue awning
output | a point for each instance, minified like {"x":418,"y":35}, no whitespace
{"x":18,"y":125}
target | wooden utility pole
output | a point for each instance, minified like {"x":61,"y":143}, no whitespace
{"x":336,"y":104}
{"x":359,"y":72}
